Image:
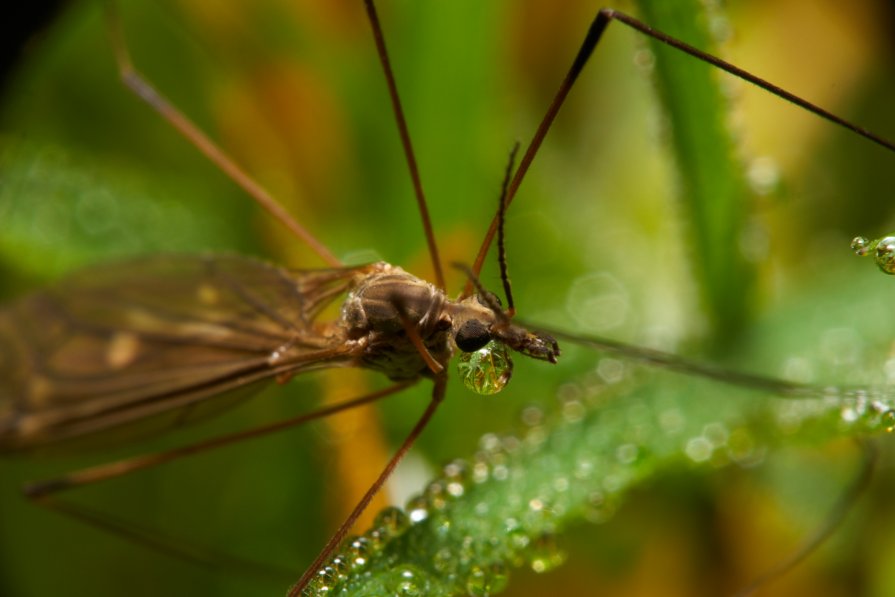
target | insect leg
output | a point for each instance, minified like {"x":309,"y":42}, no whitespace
{"x":177,"y":547}
{"x":591,"y":39}
{"x":44,"y":493}
{"x":135,"y":82}
{"x":437,"y":396}
{"x":37,"y":491}
{"x":405,"y":140}
{"x":844,"y":505}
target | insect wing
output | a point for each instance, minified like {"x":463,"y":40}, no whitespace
{"x":156,"y":336}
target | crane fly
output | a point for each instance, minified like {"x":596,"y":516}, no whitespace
{"x":222,"y":309}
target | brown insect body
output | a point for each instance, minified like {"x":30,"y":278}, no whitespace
{"x":372,"y":316}
{"x":147,"y":343}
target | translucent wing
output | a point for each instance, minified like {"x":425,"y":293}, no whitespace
{"x":150,"y":340}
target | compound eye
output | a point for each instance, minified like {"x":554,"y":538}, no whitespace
{"x":472,"y":336}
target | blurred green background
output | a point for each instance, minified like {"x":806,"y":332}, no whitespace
{"x":599,"y":241}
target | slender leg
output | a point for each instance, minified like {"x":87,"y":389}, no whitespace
{"x":333,"y":544}
{"x":103,"y":472}
{"x":44,"y":493}
{"x":591,"y":39}
{"x":405,"y":141}
{"x":135,"y":81}
{"x":177,"y":547}
{"x":840,"y":510}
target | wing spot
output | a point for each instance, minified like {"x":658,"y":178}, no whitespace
{"x":39,"y":391}
{"x":122,"y":350}
{"x":208,"y":294}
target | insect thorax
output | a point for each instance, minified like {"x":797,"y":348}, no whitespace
{"x":373,"y":314}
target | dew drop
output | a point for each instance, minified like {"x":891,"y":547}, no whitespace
{"x":467,"y":552}
{"x":532,"y":416}
{"x":611,"y":370}
{"x":518,"y":539}
{"x":441,"y":525}
{"x":888,"y":421}
{"x":486,"y":371}
{"x":486,"y":580}
{"x":763,"y":175}
{"x":698,"y":449}
{"x":560,"y":484}
{"x":358,"y":553}
{"x":544,"y":554}
{"x":417,"y":509}
{"x":741,"y":447}
{"x":716,"y":434}
{"x":341,"y":566}
{"x":391,"y":522}
{"x":480,"y":471}
{"x":490,"y":442}
{"x":324,"y":581}
{"x":599,"y":508}
{"x":437,"y":495}
{"x":883,"y":250}
{"x":885,"y":254}
{"x":849,"y":414}
{"x":329,"y":576}
{"x":375,"y":541}
{"x":408,"y":585}
{"x":456,"y":476}
{"x":536,"y":505}
{"x":626,"y":453}
{"x":573,"y":411}
{"x":671,"y":420}
{"x":443,"y":561}
{"x":456,"y":489}
{"x":584,"y":468}
{"x":500,"y":472}
{"x":860,"y":245}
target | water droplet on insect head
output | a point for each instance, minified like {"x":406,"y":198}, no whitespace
{"x":486,"y":371}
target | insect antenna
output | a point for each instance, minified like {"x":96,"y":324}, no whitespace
{"x":501,"y":235}
{"x":404,"y":133}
